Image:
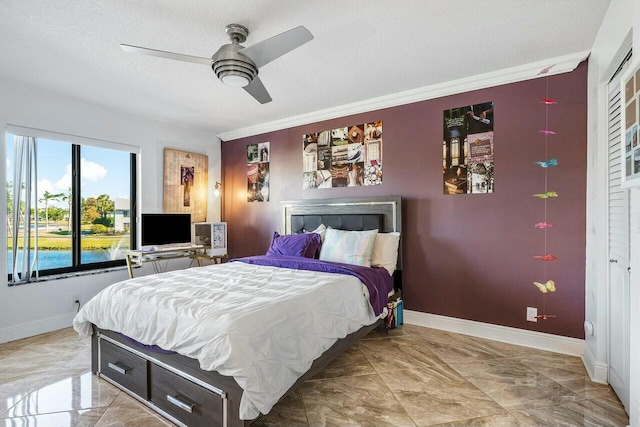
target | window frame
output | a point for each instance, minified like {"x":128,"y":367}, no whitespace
{"x":76,"y":143}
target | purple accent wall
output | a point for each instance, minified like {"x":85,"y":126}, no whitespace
{"x":465,"y":256}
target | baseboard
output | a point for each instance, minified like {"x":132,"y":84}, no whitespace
{"x":38,"y":327}
{"x":539,"y":340}
{"x":598,"y":372}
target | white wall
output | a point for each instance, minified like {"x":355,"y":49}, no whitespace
{"x":35,"y":308}
{"x":612,"y":42}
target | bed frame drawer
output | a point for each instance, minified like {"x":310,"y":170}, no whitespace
{"x":124,"y":367}
{"x":188,"y":402}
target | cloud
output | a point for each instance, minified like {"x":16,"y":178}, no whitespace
{"x":65,"y":182}
{"x":91,"y":171}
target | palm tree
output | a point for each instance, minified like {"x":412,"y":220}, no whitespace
{"x":68,"y":197}
{"x":46,"y":198}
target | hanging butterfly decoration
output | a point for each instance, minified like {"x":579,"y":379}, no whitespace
{"x":546,"y":195}
{"x":547,"y":285}
{"x":548,"y":163}
{"x":547,"y":257}
{"x":543,"y":225}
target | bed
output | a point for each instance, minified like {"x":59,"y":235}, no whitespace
{"x":194,"y":387}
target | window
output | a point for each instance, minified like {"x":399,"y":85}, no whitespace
{"x":75,"y":211}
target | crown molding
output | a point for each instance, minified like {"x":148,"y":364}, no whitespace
{"x":553,"y":66}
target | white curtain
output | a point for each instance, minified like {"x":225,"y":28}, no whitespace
{"x":25,"y":190}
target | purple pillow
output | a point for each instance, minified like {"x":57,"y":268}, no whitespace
{"x":302,"y":245}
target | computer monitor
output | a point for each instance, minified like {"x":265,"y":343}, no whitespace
{"x":165,"y":228}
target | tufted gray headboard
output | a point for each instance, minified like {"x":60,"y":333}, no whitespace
{"x":383,"y":213}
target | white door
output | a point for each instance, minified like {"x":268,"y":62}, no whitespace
{"x":619,"y":275}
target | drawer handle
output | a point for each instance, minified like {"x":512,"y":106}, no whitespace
{"x":186,"y":406}
{"x":119,"y":368}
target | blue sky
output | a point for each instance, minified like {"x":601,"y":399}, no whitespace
{"x":103,"y":171}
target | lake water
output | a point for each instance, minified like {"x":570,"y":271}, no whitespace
{"x":58,"y":259}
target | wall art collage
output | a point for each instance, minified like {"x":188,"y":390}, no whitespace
{"x":345,"y":157}
{"x":467,"y":149}
{"x":258,"y":172}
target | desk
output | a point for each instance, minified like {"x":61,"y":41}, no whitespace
{"x":216,"y":259}
{"x":137,"y":257}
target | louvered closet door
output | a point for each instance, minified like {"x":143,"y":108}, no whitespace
{"x":619,"y":230}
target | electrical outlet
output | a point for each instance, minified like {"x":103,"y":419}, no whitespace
{"x":532,"y":312}
{"x":76,"y":299}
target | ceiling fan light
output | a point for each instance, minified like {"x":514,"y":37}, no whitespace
{"x":235,"y":80}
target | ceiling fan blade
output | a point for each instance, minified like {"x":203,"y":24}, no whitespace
{"x":258,"y":91}
{"x":164,"y":54}
{"x":274,"y":47}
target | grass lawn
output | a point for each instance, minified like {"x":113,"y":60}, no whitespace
{"x":53,"y":241}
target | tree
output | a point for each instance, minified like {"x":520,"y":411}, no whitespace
{"x":89,"y":210}
{"x":105,"y":205}
{"x":56,"y":213}
{"x":46,"y":198}
{"x":68,"y":197}
{"x":9,"y":197}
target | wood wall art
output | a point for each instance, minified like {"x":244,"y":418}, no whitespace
{"x":186,"y":180}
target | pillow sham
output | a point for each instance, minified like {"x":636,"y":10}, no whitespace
{"x":385,"y":251}
{"x":301,"y":245}
{"x":349,"y":247}
{"x":321,"y":230}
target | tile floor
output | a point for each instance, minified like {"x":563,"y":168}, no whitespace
{"x":413,"y":376}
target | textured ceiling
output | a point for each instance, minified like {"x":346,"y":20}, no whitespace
{"x":362,"y":49}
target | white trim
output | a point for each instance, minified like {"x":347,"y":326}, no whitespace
{"x":533,"y":339}
{"x":598,"y":372}
{"x":559,"y":65}
{"x":37,"y":327}
{"x":73,"y":139}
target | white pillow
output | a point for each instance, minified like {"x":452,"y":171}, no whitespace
{"x":385,"y":251}
{"x":349,"y":247}
{"x":320,"y":230}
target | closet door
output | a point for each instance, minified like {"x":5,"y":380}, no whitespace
{"x":619,"y":231}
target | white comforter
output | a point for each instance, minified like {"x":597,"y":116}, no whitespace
{"x":262,"y":325}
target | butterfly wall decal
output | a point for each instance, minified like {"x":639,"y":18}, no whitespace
{"x":546,"y":132}
{"x":546,"y":195}
{"x":548,"y":163}
{"x":543,"y":225}
{"x":548,"y":101}
{"x":547,"y":257}
{"x":548,"y":286}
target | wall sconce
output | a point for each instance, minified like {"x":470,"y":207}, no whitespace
{"x":217,"y":189}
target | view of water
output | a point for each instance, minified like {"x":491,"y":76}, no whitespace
{"x":58,"y":259}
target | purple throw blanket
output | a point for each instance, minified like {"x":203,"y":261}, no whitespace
{"x":376,"y":279}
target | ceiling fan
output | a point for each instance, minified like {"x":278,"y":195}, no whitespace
{"x":236,"y":65}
